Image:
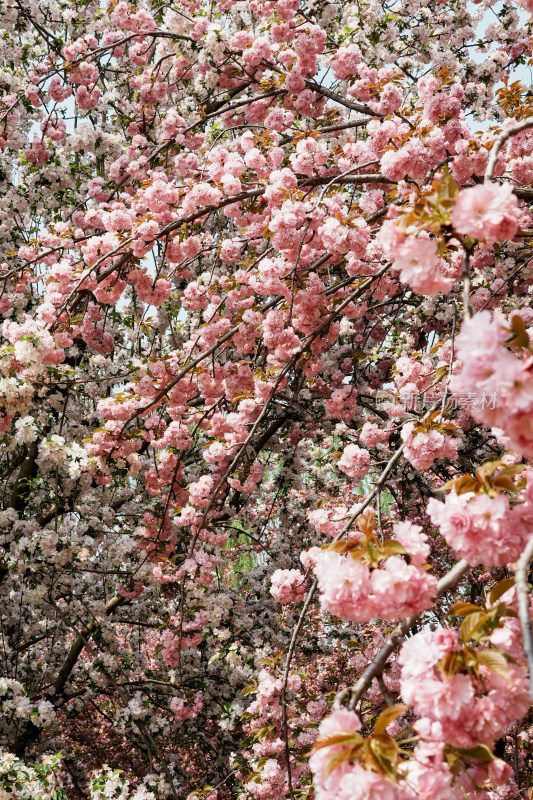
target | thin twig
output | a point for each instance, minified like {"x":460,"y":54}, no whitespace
{"x":452,"y":356}
{"x":467,"y":284}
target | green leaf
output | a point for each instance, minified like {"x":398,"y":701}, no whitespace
{"x":480,"y":753}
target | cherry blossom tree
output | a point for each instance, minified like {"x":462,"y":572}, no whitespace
{"x":266,"y":390}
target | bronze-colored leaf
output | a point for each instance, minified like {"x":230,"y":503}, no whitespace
{"x":499,"y":589}
{"x":387,"y":716}
{"x":487,"y":469}
{"x":462,"y":484}
{"x":382,"y":755}
{"x":365,"y":521}
{"x":453,"y":760}
{"x":471,"y":623}
{"x":451,"y":663}
{"x":504,"y":482}
{"x":512,"y":469}
{"x":341,"y":738}
{"x":518,"y":327}
{"x":463,"y":609}
{"x":496,"y":662}
{"x":393,"y":547}
{"x":343,"y":546}
{"x":336,"y":759}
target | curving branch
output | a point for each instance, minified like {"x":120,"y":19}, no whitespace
{"x":500,"y":140}
{"x":377,"y":665}
{"x":79,"y":643}
{"x":28,"y":470}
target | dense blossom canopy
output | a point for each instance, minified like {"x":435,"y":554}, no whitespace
{"x":266,"y":400}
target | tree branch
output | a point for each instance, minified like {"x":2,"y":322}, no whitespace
{"x":522,"y":593}
{"x":376,"y":666}
{"x":500,"y":141}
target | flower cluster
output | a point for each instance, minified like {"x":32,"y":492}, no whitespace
{"x":265,"y":376}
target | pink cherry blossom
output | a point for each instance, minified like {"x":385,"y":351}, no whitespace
{"x":488,"y":211}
